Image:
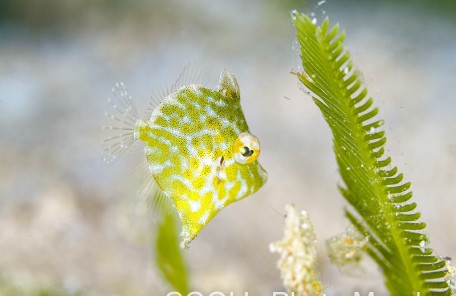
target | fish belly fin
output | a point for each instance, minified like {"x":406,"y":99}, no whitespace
{"x":191,"y":228}
{"x":193,"y":223}
{"x":123,"y":118}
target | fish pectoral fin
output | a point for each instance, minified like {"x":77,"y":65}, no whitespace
{"x":221,"y":175}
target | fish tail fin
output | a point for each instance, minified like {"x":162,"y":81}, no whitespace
{"x":121,"y":129}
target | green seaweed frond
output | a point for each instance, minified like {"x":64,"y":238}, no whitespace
{"x":169,"y":256}
{"x":381,"y":207}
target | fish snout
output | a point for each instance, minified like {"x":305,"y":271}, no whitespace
{"x":263,"y":174}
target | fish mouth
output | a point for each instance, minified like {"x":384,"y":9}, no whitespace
{"x":263,"y":174}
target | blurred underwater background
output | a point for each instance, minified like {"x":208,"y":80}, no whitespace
{"x":73,"y":225}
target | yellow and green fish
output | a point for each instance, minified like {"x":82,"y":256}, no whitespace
{"x":198,"y":147}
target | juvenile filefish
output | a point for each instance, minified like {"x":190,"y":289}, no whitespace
{"x":198,"y":147}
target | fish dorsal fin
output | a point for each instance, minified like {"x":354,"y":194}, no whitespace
{"x":191,"y":74}
{"x":228,"y":85}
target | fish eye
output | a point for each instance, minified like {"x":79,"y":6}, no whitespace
{"x":246,"y":151}
{"x":246,"y":148}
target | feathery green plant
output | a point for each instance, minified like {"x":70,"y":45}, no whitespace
{"x":169,"y":256}
{"x":379,"y":197}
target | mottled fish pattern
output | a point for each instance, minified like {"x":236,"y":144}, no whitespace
{"x":200,"y":151}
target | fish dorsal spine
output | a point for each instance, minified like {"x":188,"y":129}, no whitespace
{"x":228,"y":85}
